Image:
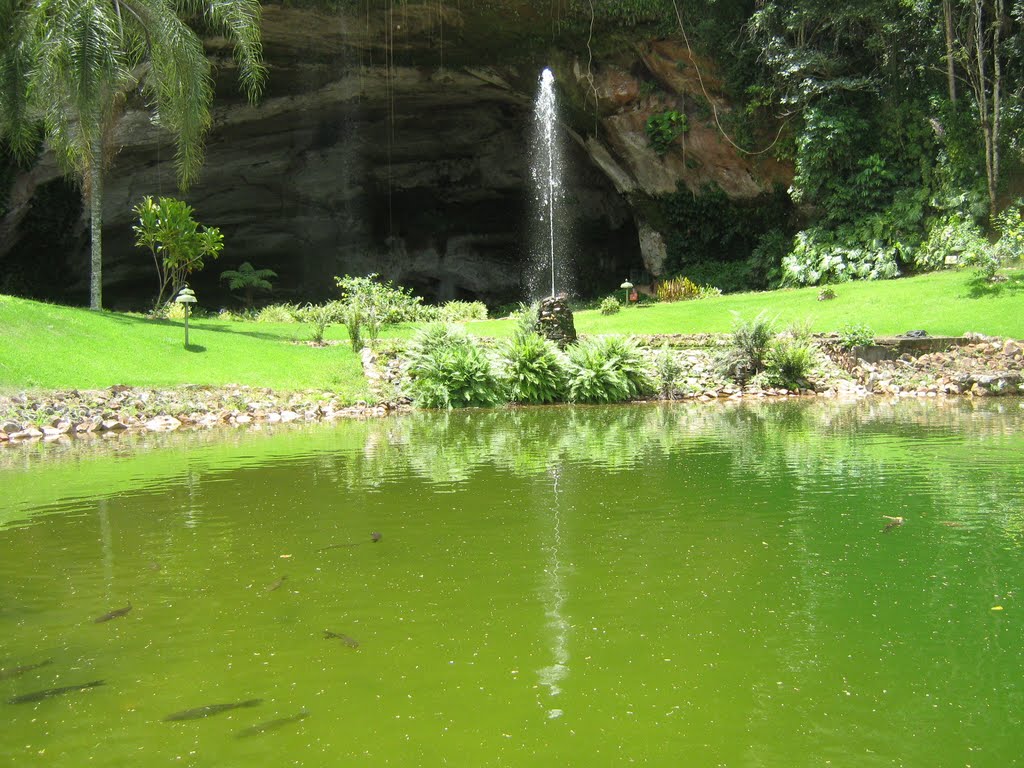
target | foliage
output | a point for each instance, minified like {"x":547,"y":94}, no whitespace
{"x":593,"y":377}
{"x":526,"y":318}
{"x":954,"y":237}
{"x":610,"y":305}
{"x":320,"y":317}
{"x":666,"y":371}
{"x":826,"y":294}
{"x":663,"y":128}
{"x":712,"y":239}
{"x":392,"y":303}
{"x":248,"y":280}
{"x":68,"y":67}
{"x":175,"y":241}
{"x":280,"y":313}
{"x":820,"y":257}
{"x":448,"y":369}
{"x":1010,"y":225}
{"x":677,"y":289}
{"x":856,"y":335}
{"x":533,"y":369}
{"x":454,"y":312}
{"x":749,"y":346}
{"x":789,"y":360}
{"x":605,"y":369}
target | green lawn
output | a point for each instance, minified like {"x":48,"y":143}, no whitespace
{"x":43,"y":346}
{"x":942,"y":303}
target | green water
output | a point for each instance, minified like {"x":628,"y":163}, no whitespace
{"x":673,"y":585}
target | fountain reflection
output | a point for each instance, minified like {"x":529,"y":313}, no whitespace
{"x":554,"y":597}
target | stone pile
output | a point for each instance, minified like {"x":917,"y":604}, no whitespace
{"x":554,"y":320}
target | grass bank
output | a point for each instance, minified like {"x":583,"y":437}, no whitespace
{"x":942,"y":303}
{"x":43,"y":346}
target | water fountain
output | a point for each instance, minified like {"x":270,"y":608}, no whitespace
{"x":549,"y":266}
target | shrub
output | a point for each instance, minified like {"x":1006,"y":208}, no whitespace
{"x":279,"y":313}
{"x":448,"y":370}
{"x":610,"y":305}
{"x":663,"y":128}
{"x":751,"y":341}
{"x":789,"y":360}
{"x":352,"y":314}
{"x":667,"y":370}
{"x":533,"y":368}
{"x":607,"y":369}
{"x":456,"y":312}
{"x":392,"y":303}
{"x":678,"y":289}
{"x":820,"y":257}
{"x":954,"y":237}
{"x":1010,"y":225}
{"x":319,"y":317}
{"x":525,"y":318}
{"x":855,"y":335}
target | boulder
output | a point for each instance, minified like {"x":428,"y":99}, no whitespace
{"x":162,"y":424}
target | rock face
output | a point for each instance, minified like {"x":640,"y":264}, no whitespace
{"x":409,"y":160}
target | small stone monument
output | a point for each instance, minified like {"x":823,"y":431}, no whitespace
{"x":554,"y":320}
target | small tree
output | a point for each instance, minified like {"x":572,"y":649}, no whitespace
{"x":248,"y":280}
{"x":173,"y":237}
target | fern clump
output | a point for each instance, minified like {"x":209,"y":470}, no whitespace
{"x":533,"y":368}
{"x":448,"y":369}
{"x":607,"y":370}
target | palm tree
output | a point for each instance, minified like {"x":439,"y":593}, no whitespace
{"x":70,"y":64}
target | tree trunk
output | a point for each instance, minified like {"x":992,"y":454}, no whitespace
{"x":947,"y":10}
{"x":997,"y":102}
{"x":95,"y":192}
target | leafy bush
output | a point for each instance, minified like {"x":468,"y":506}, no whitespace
{"x":454,"y":312}
{"x":279,"y":313}
{"x":954,"y":236}
{"x":1010,"y":225}
{"x":319,"y":316}
{"x":663,"y":128}
{"x":392,"y":303}
{"x":610,"y":305}
{"x":448,"y":370}
{"x":751,"y":341}
{"x":678,"y":289}
{"x":593,"y":377}
{"x":855,"y":335}
{"x":607,"y":369}
{"x":820,"y":257}
{"x":667,"y":370}
{"x":789,"y":360}
{"x":525,"y":318}
{"x":533,"y":368}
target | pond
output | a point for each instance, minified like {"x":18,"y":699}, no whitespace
{"x":688,"y":584}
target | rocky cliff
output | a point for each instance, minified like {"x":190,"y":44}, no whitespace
{"x":397,"y":143}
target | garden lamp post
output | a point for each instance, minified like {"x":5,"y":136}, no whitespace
{"x":187,"y":297}
{"x":627,"y":287}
